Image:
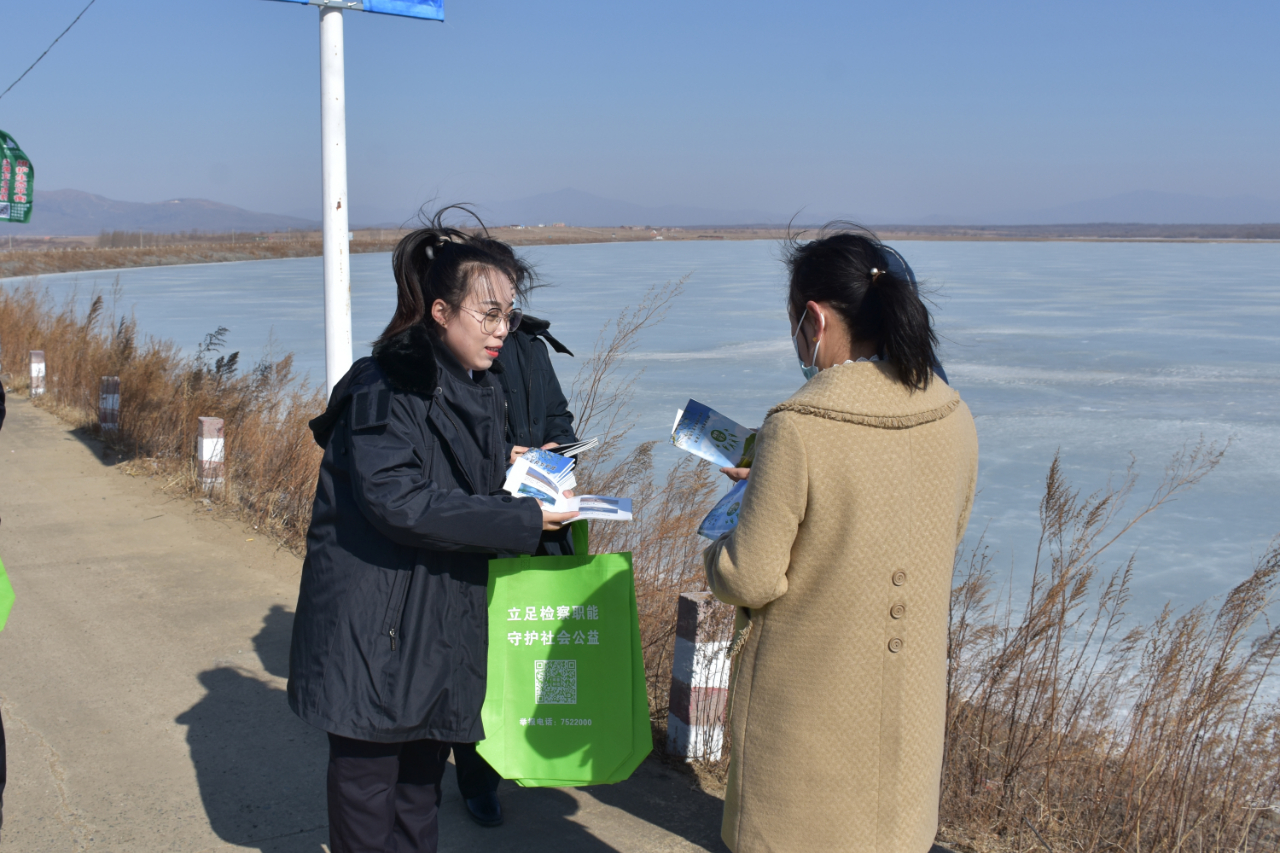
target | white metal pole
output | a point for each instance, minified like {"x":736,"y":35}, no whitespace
{"x":333,"y":168}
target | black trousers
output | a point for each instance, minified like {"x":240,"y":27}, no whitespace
{"x":475,"y":777}
{"x":3,"y":777}
{"x":384,"y":797}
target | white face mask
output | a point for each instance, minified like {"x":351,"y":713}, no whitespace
{"x":810,"y":370}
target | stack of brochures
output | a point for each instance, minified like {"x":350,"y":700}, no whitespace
{"x":726,"y":443}
{"x":546,"y":476}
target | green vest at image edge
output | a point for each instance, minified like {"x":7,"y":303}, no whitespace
{"x":6,"y":596}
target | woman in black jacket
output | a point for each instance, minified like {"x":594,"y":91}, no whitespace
{"x":391,"y":633}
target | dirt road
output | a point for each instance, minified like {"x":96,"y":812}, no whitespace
{"x":142,"y":679}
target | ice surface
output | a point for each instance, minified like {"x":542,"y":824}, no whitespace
{"x":1098,"y":350}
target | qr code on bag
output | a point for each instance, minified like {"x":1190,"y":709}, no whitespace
{"x":555,"y":682}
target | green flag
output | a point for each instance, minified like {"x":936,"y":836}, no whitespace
{"x":566,"y":702}
{"x":17,"y":178}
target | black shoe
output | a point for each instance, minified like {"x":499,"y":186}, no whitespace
{"x":485,"y":810}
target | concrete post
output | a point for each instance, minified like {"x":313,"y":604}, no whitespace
{"x":699,"y":679}
{"x":109,"y":404}
{"x":211,"y":453}
{"x":37,"y":372}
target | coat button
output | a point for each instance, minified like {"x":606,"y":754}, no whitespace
{"x":506,"y":500}
{"x":895,"y":645}
{"x":899,"y":577}
{"x":898,"y":611}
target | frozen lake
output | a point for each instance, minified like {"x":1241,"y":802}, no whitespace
{"x":1099,"y":349}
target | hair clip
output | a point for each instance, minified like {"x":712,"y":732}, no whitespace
{"x":430,"y":252}
{"x":876,"y":273}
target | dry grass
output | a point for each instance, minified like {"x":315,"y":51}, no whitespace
{"x":1069,"y":727}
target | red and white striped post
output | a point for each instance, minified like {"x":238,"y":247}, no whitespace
{"x":109,"y":404}
{"x":37,"y":372}
{"x":699,"y":679}
{"x":211,"y":451}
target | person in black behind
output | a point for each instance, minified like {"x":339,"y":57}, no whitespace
{"x":390,"y":636}
{"x":537,"y":415}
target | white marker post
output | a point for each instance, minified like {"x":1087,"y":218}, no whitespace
{"x":333,"y":167}
{"x":37,"y":372}
{"x":211,"y":452}
{"x":109,"y":404}
{"x":699,"y":679}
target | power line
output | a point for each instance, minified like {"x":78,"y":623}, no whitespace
{"x":47,"y":49}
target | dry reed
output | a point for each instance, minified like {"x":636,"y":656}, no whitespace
{"x":1069,"y":728}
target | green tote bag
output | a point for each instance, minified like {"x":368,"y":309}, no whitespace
{"x":566,"y":702}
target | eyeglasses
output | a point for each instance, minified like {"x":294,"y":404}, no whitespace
{"x":490,"y":319}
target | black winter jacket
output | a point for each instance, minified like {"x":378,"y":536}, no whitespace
{"x":390,"y":639}
{"x":537,"y":411}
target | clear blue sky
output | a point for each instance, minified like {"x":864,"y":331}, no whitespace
{"x":888,"y":110}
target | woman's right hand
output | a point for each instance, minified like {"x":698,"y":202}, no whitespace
{"x":556,"y":520}
{"x":736,"y":474}
{"x":516,"y":453}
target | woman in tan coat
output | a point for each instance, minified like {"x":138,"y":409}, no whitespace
{"x":841,"y":568}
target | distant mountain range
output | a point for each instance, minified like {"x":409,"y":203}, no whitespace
{"x":575,"y":207}
{"x":72,"y":212}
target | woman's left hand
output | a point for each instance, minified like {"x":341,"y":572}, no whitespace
{"x":736,"y":474}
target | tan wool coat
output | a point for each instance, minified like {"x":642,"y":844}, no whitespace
{"x":859,"y":495}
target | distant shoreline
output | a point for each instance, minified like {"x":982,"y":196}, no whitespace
{"x":125,"y":250}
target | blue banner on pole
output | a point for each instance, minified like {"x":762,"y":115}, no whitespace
{"x":431,"y":10}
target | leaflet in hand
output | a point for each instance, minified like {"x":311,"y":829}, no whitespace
{"x":574,"y":448}
{"x":724,"y":517}
{"x":705,"y":432}
{"x":545,"y":476}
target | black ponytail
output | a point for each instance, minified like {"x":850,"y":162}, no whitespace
{"x":874,"y":290}
{"x":439,"y":262}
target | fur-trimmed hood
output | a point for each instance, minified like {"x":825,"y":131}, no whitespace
{"x":412,"y":361}
{"x":409,"y":363}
